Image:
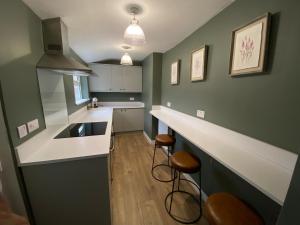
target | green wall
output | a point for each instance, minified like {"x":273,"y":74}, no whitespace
{"x":21,"y":48}
{"x":151,"y":90}
{"x":264,"y":106}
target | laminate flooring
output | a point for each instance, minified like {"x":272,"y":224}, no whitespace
{"x":137,"y":198}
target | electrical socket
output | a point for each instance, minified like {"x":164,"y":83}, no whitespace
{"x":22,"y":131}
{"x":131,"y":98}
{"x":1,"y":168}
{"x":169,"y":104}
{"x":200,"y":114}
{"x":33,"y":125}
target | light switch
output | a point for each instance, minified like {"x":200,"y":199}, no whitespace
{"x":1,"y":168}
{"x":33,"y":125}
{"x":22,"y":131}
{"x":169,"y":104}
{"x":200,"y":114}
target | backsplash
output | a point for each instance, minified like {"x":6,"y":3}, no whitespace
{"x":116,"y":96}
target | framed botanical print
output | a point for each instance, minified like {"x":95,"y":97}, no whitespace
{"x":175,"y":72}
{"x":198,"y":64}
{"x":249,"y":47}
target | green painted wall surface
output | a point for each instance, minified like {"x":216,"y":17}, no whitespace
{"x":21,"y":48}
{"x":116,"y":96}
{"x":147,"y":93}
{"x":265,"y":106}
{"x":156,"y":88}
{"x":151,"y":90}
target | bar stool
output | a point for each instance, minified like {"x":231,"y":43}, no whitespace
{"x":225,"y":209}
{"x":184,"y":162}
{"x":163,"y":140}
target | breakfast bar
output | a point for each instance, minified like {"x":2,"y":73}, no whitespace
{"x":266,"y":167}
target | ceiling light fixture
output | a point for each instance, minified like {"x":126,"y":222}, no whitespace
{"x":134,"y":34}
{"x":126,"y":60}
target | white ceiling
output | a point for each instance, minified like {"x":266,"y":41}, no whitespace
{"x":96,"y":26}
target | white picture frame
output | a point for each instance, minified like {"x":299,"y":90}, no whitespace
{"x":198,"y":64}
{"x":175,"y":73}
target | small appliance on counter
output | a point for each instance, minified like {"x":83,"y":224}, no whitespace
{"x":94,"y":102}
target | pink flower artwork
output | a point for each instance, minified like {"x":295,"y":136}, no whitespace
{"x":246,"y":49}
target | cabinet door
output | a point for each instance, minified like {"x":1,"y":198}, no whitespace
{"x":117,"y":83}
{"x":132,"y":78}
{"x":118,"y":120}
{"x":101,"y":80}
{"x":133,"y":119}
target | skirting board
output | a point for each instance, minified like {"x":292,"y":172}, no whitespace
{"x":150,"y":141}
{"x":188,"y":177}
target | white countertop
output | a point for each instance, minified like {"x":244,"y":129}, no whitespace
{"x":266,"y":167}
{"x":123,"y":105}
{"x":43,"y":148}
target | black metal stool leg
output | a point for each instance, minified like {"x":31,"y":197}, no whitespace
{"x":200,"y":194}
{"x":153,"y":159}
{"x":159,"y":165}
{"x":178,"y":182}
{"x":173,"y":187}
{"x":170,"y":194}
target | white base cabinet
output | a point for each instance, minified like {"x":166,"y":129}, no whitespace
{"x":115,"y":78}
{"x":128,"y":119}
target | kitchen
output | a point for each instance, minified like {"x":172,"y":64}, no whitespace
{"x":121,"y":112}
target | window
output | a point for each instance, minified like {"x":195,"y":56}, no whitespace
{"x":78,"y":90}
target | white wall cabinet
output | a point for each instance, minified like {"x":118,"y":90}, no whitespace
{"x":115,"y":78}
{"x":128,"y":119}
{"x":132,"y":78}
{"x":101,"y":80}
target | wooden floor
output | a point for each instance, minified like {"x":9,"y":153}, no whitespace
{"x":136,"y":198}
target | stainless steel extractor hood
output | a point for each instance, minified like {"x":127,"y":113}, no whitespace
{"x":57,"y":55}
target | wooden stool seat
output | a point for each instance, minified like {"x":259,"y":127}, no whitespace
{"x":185,"y":162}
{"x":225,"y":209}
{"x":164,"y":140}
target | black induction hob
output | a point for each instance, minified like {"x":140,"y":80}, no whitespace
{"x":83,"y":129}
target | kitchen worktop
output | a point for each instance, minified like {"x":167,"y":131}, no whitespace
{"x":43,"y":148}
{"x":123,"y":105}
{"x":266,"y":167}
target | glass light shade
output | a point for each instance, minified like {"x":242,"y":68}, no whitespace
{"x":134,"y":35}
{"x":126,"y":60}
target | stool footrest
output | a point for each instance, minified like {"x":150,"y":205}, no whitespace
{"x":176,"y":218}
{"x":162,"y":180}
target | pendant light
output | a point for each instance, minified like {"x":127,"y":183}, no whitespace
{"x":126,"y":60}
{"x":134,"y":34}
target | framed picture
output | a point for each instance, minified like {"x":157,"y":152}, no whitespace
{"x":249,"y":47}
{"x":175,"y":72}
{"x":198,"y":64}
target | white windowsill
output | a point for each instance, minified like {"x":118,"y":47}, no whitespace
{"x":82,"y":101}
